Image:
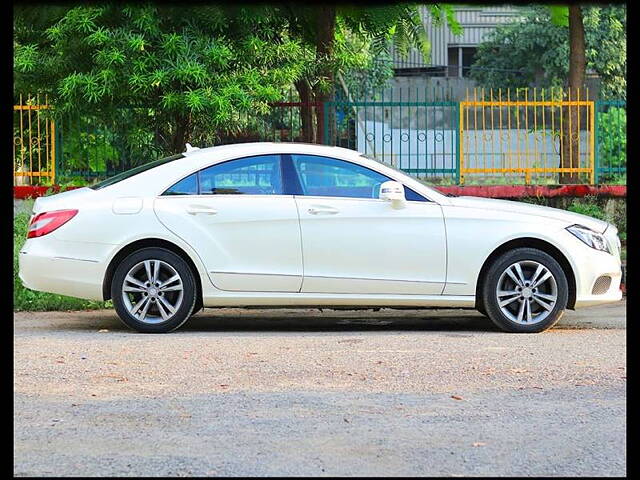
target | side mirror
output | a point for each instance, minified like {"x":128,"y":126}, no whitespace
{"x":393,"y":192}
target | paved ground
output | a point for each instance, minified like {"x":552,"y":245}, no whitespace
{"x":273,"y":392}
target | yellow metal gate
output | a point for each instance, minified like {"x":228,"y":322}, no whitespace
{"x":528,"y":133}
{"x":34,"y":143}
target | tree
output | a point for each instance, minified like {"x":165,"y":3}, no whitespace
{"x":324,"y":31}
{"x":194,"y":70}
{"x":535,"y":50}
{"x":539,"y":52}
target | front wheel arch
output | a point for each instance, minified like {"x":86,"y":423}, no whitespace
{"x":145,"y":243}
{"x":528,"y":242}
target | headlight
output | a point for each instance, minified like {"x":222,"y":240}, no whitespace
{"x":591,"y":238}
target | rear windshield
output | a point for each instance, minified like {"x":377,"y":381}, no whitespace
{"x":134,"y":171}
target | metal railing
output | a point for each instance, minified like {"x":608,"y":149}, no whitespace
{"x":34,"y":142}
{"x":492,"y":136}
{"x":415,"y":130}
{"x":538,"y":135}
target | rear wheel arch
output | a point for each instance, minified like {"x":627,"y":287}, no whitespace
{"x":528,"y":242}
{"x":145,"y":243}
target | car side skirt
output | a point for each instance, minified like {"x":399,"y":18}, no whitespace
{"x":240,"y":299}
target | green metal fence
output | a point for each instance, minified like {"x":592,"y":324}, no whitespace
{"x":415,"y":130}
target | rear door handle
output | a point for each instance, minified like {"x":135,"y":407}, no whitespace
{"x":323,"y":210}
{"x":196,"y":209}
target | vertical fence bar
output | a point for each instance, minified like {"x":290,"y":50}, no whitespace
{"x":484,"y":133}
{"x":461,"y":150}
{"x":527,"y":175}
{"x":53,"y":151}
{"x":544,"y":136}
{"x":579,"y":159}
{"x":535,"y":129}
{"x":509,"y":153}
{"x":475,"y":125}
{"x":458,"y":141}
{"x":39,"y":146}
{"x":592,"y":143}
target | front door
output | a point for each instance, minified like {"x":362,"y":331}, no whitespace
{"x":355,"y":243}
{"x":236,"y":217}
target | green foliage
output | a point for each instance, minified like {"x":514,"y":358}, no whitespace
{"x":587,"y":207}
{"x":559,"y":15}
{"x":136,"y":82}
{"x":25,"y":299}
{"x":612,"y":135}
{"x":535,"y":51}
{"x":197,"y":69}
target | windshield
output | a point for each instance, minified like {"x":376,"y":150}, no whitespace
{"x":134,"y":171}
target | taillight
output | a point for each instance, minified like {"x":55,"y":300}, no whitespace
{"x":47,"y":222}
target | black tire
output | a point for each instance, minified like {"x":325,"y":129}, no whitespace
{"x":490,"y":288}
{"x":189,"y":291}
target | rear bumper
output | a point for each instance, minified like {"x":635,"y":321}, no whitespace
{"x":63,"y":272}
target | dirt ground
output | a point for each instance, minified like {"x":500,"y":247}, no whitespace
{"x":302,"y":392}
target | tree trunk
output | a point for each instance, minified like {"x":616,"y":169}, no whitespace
{"x":306,"y":110}
{"x":181,"y":134}
{"x":326,"y":26}
{"x":569,"y":156}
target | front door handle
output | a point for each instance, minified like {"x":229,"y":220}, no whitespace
{"x":196,"y":209}
{"x":323,"y":210}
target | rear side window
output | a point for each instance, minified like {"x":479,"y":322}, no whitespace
{"x":186,"y":186}
{"x":135,"y":171}
{"x":259,"y":175}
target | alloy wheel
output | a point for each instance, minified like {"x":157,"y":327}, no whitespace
{"x":527,"y":292}
{"x":152,"y":291}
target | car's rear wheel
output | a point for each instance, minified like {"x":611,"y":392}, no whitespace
{"x":153,"y":290}
{"x":525,"y":291}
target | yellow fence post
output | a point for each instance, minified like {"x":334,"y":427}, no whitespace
{"x":526,"y":155}
{"x":36,"y":137}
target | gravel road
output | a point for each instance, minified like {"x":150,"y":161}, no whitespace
{"x":240,"y":392}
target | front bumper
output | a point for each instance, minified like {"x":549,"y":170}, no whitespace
{"x":589,"y":266}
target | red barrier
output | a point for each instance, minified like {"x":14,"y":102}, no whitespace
{"x":489,"y":191}
{"x":33,"y":191}
{"x":520,"y":191}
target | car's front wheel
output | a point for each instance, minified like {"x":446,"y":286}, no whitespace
{"x":525,"y":291}
{"x":153,"y":290}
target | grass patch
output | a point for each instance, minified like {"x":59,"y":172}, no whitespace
{"x":25,"y":299}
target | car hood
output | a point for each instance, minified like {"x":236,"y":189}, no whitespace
{"x":529,"y":209}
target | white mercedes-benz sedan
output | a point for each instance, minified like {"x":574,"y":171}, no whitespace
{"x":292,"y":225}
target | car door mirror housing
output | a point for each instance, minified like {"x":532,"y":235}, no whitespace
{"x":393,"y":192}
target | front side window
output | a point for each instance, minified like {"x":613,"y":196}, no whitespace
{"x":330,"y":177}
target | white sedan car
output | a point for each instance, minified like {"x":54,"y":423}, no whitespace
{"x":292,"y":225}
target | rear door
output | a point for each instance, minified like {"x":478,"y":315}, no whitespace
{"x":237,"y":218}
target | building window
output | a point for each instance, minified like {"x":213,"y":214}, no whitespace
{"x":460,"y":60}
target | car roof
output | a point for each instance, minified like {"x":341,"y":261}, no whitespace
{"x":270,"y":147}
